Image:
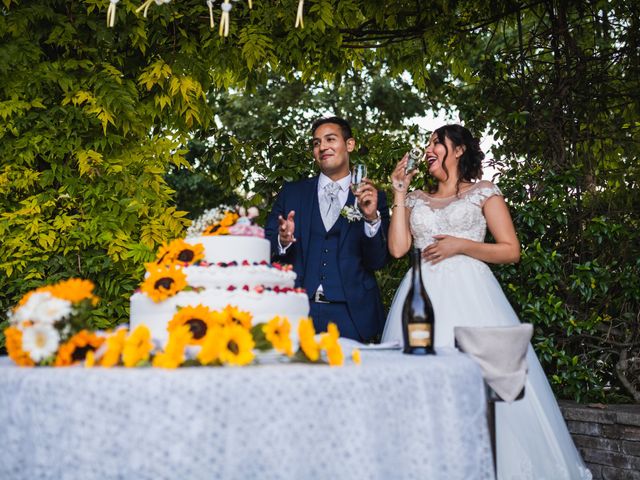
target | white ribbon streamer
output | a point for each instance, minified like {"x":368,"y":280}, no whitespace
{"x":111,"y":13}
{"x":210,"y":5}
{"x":145,"y":6}
{"x":224,"y":20}
{"x":299,"y":19}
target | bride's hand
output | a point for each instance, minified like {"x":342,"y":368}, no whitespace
{"x":445,"y":246}
{"x":399,"y":180}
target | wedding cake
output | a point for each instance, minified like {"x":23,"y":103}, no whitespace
{"x":224,"y":261}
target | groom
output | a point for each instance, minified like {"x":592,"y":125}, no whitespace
{"x":334,"y":258}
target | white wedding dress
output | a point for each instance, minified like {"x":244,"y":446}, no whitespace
{"x":532,"y":438}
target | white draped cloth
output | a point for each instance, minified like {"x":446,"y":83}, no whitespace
{"x":395,"y":416}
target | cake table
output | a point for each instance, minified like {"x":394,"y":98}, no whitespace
{"x":395,"y":416}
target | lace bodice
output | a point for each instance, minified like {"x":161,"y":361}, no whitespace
{"x":458,"y":216}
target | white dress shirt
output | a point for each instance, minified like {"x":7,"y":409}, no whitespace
{"x":370,"y":229}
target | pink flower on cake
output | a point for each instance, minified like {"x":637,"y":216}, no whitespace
{"x":246,"y":230}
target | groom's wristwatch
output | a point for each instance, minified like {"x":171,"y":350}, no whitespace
{"x":375,"y":220}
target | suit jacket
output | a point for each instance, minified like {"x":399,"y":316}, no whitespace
{"x":358,"y":255}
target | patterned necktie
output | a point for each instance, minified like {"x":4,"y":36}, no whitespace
{"x":330,"y":211}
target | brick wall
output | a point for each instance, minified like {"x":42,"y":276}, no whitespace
{"x":608,"y":437}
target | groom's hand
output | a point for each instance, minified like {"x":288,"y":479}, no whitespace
{"x":368,"y":200}
{"x":286,"y":227}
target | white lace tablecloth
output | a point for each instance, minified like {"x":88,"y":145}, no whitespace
{"x":395,"y":416}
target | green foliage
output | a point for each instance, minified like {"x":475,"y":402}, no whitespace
{"x":83,"y":155}
{"x":580,"y":292}
{"x":264,"y":136}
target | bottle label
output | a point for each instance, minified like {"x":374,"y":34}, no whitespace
{"x":419,"y":334}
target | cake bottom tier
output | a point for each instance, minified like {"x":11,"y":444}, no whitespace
{"x":263,"y":306}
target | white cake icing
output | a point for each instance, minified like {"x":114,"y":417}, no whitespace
{"x":231,"y":248}
{"x":251,"y":284}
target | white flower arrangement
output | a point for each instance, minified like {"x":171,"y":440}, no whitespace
{"x":226,"y":220}
{"x":208,"y":218}
{"x":46,"y":320}
{"x":42,"y":307}
{"x":351,"y":212}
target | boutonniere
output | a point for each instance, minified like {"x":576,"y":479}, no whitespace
{"x":351,"y":212}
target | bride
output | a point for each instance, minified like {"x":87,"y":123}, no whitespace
{"x":449,"y":226}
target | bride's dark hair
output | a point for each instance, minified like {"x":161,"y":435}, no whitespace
{"x":470,"y":163}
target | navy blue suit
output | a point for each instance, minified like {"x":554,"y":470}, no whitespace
{"x":343,"y":259}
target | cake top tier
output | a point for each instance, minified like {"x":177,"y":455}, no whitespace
{"x":231,"y":248}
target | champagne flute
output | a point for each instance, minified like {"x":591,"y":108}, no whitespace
{"x":358,"y":172}
{"x":416,"y":155}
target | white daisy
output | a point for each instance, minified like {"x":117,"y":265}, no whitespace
{"x":52,"y":310}
{"x":40,"y":341}
{"x":26,"y":312}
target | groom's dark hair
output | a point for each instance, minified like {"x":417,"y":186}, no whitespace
{"x":345,"y":128}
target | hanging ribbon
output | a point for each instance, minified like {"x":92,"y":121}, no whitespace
{"x":210,"y":5}
{"x":299,"y":19}
{"x":145,"y":6}
{"x":111,"y":13}
{"x":224,"y":20}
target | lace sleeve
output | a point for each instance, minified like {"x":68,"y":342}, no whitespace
{"x":484,"y":192}
{"x":410,"y":200}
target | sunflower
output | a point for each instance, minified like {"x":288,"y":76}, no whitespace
{"x":236,"y":345}
{"x":236,"y":316}
{"x":308,"y":344}
{"x":277,"y":331}
{"x":329,"y":343}
{"x":137,"y":347}
{"x":179,"y":251}
{"x":115,"y":345}
{"x":211,"y":346}
{"x":13,"y":344}
{"x":199,"y":319}
{"x":173,"y":354}
{"x":164,"y":282}
{"x":74,"y":290}
{"x":76,"y":348}
{"x":222,"y":227}
{"x":229,"y":219}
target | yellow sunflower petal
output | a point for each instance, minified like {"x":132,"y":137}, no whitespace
{"x":356,"y":357}
{"x":137,"y":347}
{"x":199,"y":319}
{"x":181,"y":252}
{"x":13,"y":344}
{"x":308,"y":344}
{"x":277,"y":331}
{"x":74,"y":290}
{"x":164,"y":282}
{"x":173,"y":354}
{"x":238,"y":316}
{"x":115,"y":345}
{"x":211,"y":346}
{"x":237,"y":345}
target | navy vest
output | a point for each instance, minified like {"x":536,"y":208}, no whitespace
{"x":322,"y":266}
